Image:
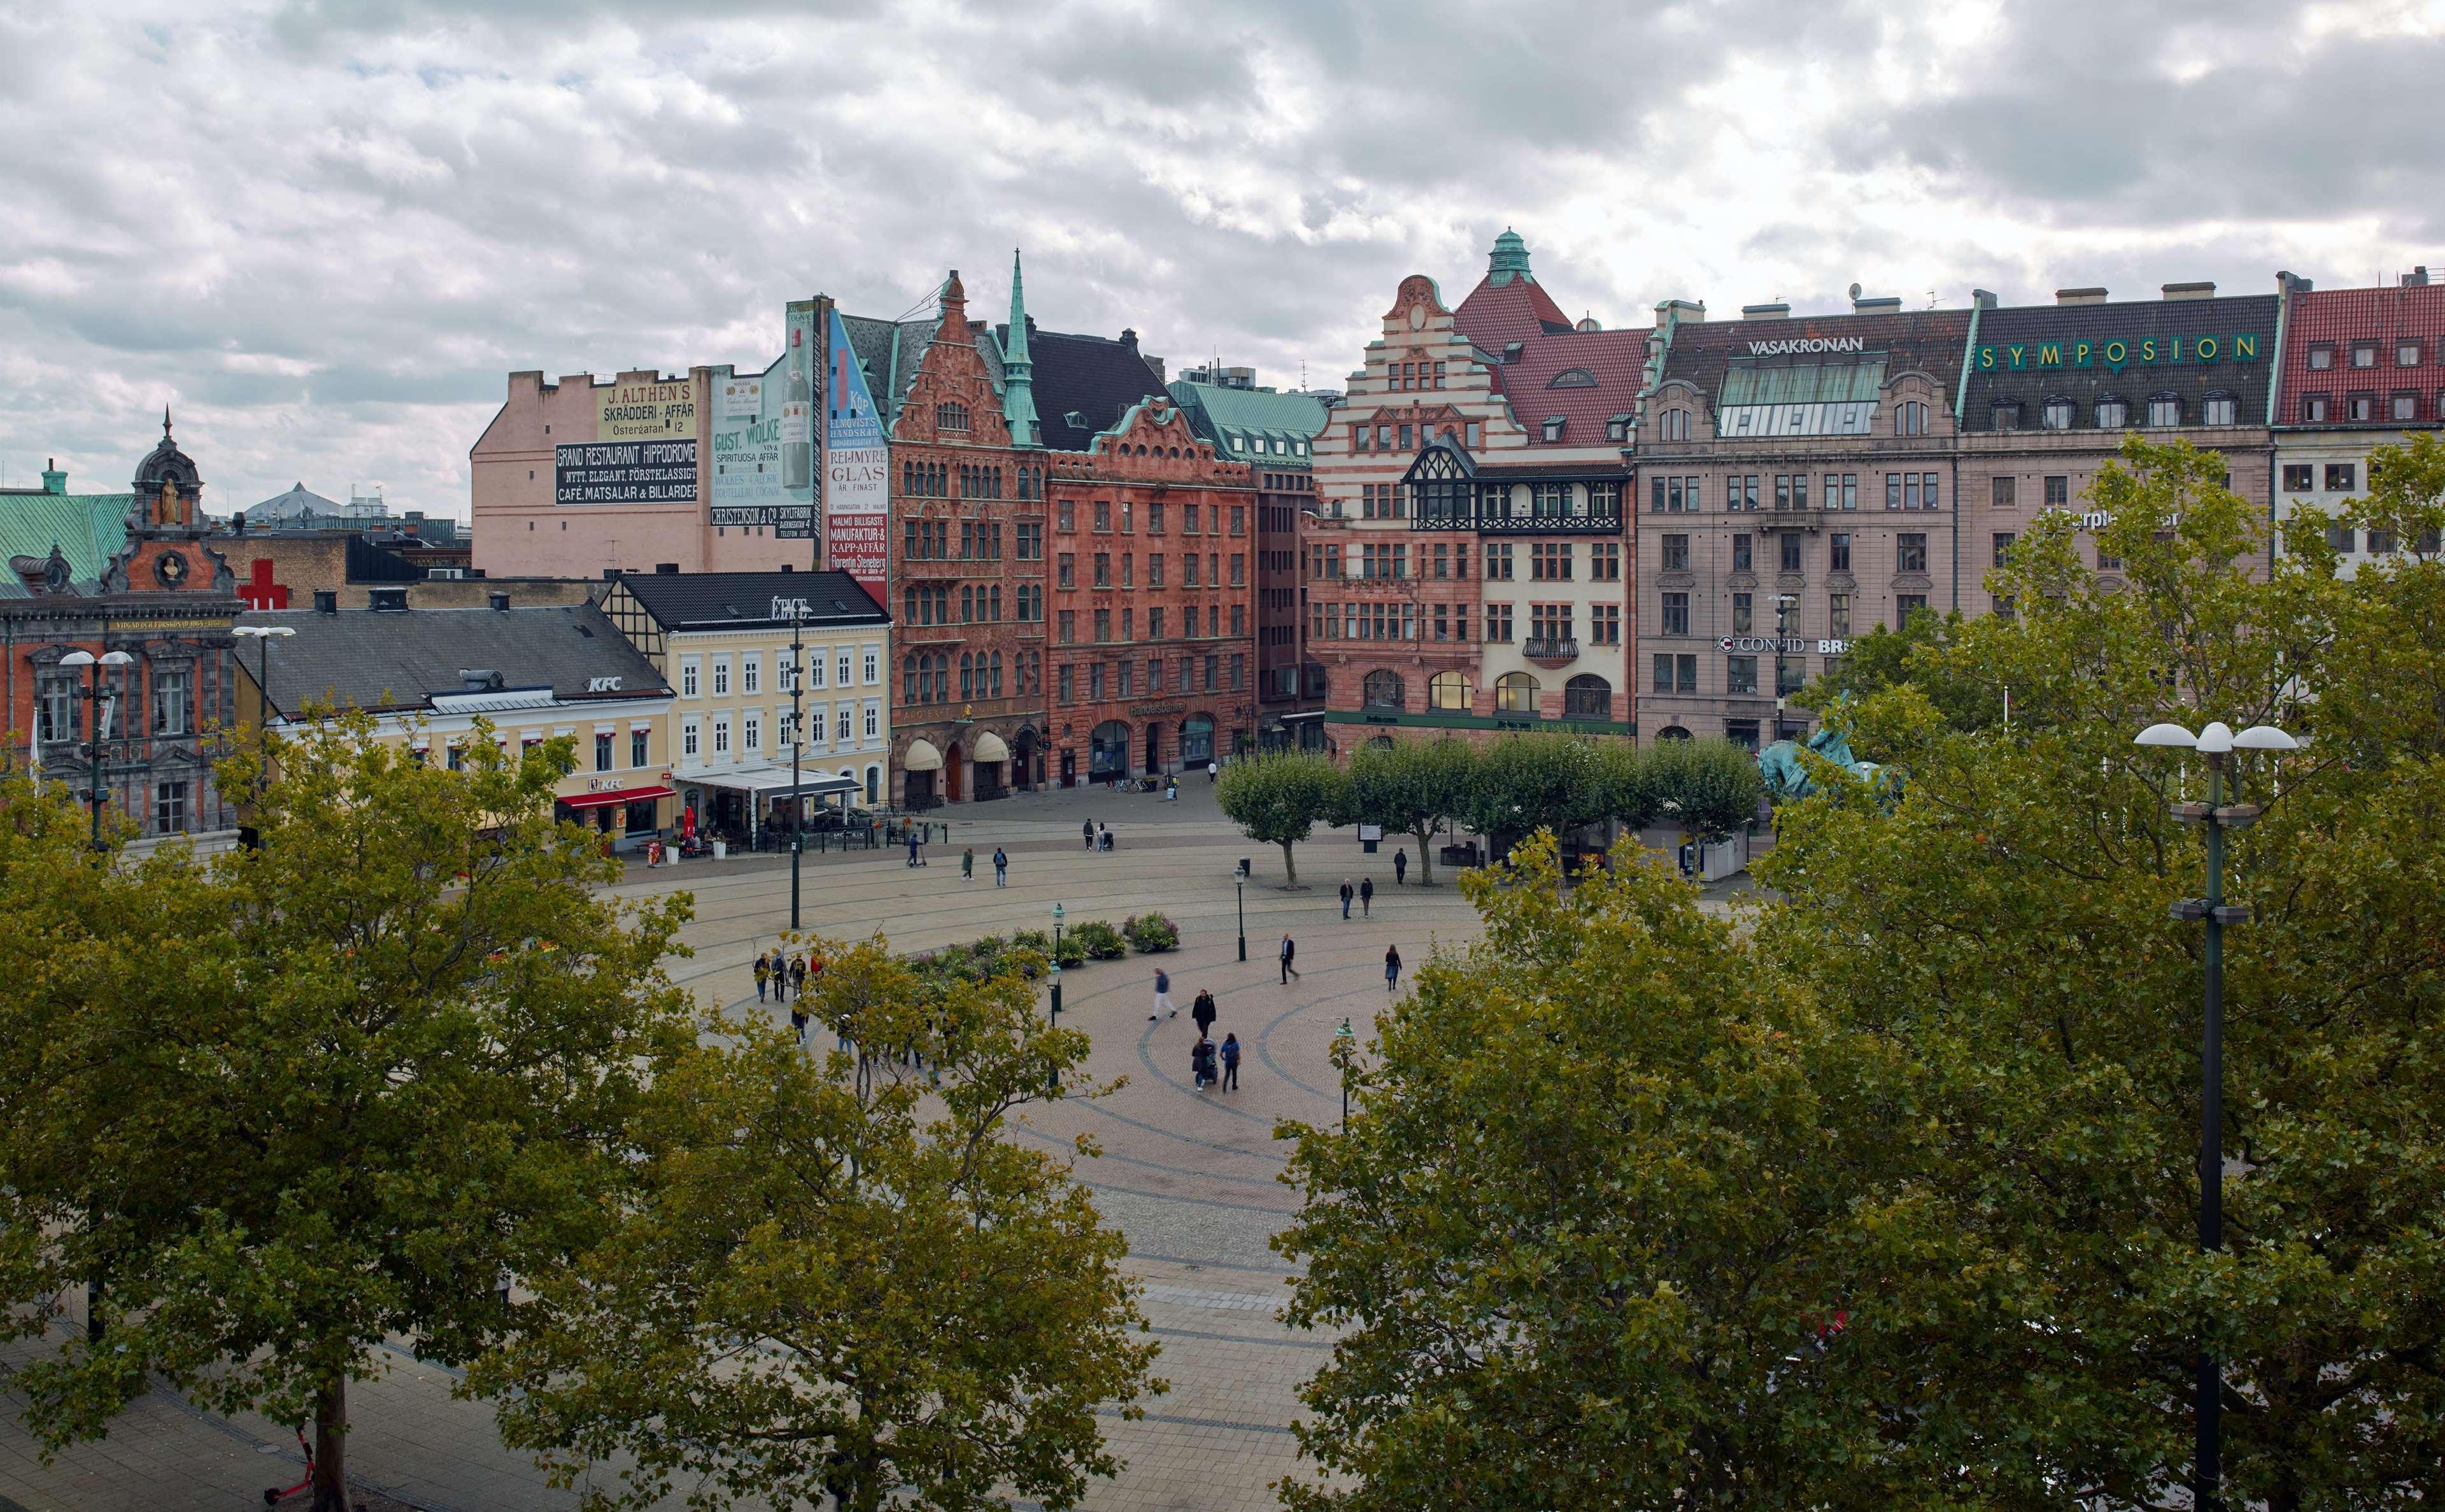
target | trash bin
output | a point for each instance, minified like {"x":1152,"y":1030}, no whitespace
{"x":720,"y":850}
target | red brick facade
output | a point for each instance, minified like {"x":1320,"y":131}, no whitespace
{"x":1155,"y":546}
{"x":967,"y":581}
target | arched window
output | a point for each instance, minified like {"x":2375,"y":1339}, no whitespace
{"x":1587,"y":697}
{"x":911,"y":689}
{"x":1910,"y":419}
{"x":1515,"y":693}
{"x":951,"y":417}
{"x":997,"y":676}
{"x":1572,"y":378}
{"x":1449,"y":691}
{"x":909,"y":615}
{"x":1674,"y":425}
{"x":1383,"y":690}
{"x":967,"y":677}
{"x":1672,"y":732}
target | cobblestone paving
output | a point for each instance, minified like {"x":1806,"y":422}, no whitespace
{"x":1191,"y":1178}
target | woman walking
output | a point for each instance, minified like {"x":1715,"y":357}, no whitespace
{"x":1200,"y":1062}
{"x":1230,"y":1063}
{"x":1205,"y":1013}
{"x":1391,"y":967}
{"x":763,"y":975}
{"x":968,"y":865}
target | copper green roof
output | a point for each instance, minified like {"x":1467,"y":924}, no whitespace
{"x":88,"y":527}
{"x":1251,"y":417}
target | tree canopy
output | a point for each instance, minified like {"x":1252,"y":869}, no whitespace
{"x":1280,"y":797}
{"x":1418,"y":788}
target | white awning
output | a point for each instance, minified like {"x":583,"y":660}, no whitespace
{"x":763,"y":779}
{"x":990,"y":747}
{"x":922,"y":757}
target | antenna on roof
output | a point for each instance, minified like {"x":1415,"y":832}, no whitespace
{"x":1855,"y":290}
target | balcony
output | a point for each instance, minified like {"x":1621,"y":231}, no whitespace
{"x":1607,"y":522}
{"x":1549,"y":651}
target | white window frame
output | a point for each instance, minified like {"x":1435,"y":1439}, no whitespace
{"x":842,"y":667}
{"x":691,"y":739}
{"x":818,"y":725}
{"x":874,"y":720}
{"x":750,"y":672}
{"x":691,"y":671}
{"x":721,"y":735}
{"x":840,"y":723}
{"x":873,"y":664}
{"x":722,"y":676}
{"x":751,"y":732}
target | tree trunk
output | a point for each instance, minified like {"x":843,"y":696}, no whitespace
{"x":1426,"y":858}
{"x":1290,"y":869}
{"x":331,"y":1448}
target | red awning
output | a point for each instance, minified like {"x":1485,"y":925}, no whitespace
{"x":597,"y":800}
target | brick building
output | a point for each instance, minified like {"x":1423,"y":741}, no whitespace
{"x":1795,"y":486}
{"x":2049,"y":392}
{"x":2360,"y":368}
{"x":1275,"y":434}
{"x":136,"y":575}
{"x":1468,"y":567}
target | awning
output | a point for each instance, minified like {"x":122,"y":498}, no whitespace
{"x":765,"y":780}
{"x":599,"y":800}
{"x":922,"y":757}
{"x":991,"y":748}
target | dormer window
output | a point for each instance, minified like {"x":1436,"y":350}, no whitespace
{"x":1909,"y":418}
{"x":2313,"y":409}
{"x":2406,"y":354}
{"x":2321,"y":358}
{"x":1553,"y":427}
{"x":1617,"y":428}
{"x":2219,"y":409}
{"x":1572,"y":378}
{"x":2005,"y":414}
{"x":2165,"y":411}
{"x":2111,"y":414}
{"x":1674,"y":425}
{"x":2363,"y":354}
{"x":2055,"y":415}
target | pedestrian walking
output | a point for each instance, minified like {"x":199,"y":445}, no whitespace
{"x":1367,"y":896}
{"x":1210,"y":771}
{"x":1290,"y":950}
{"x":1346,"y":896}
{"x":797,"y":976}
{"x":968,"y":865}
{"x":1162,"y":994}
{"x":1200,"y":1062}
{"x":1230,"y":1063}
{"x":779,"y":971}
{"x":1205,"y":1013}
{"x":1088,"y":830}
{"x":912,"y":846}
{"x":1103,"y":836}
{"x":1400,"y":867}
{"x":1002,"y":868}
{"x":763,"y":975}
{"x":798,"y":1021}
{"x":1391,"y":967}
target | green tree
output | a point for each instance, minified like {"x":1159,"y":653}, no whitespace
{"x":1584,"y":1228}
{"x":1279,"y":799}
{"x":833,"y":1276}
{"x":2006,"y":924}
{"x":1884,"y":658}
{"x":1414,"y":787}
{"x":1709,"y":788}
{"x":316,"y":1095}
{"x":1531,"y":782}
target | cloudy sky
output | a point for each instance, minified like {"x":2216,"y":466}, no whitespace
{"x":324,"y":229}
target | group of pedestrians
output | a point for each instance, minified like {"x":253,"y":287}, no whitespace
{"x":1208,"y":1064}
{"x":784,"y":977}
{"x":1365,"y":896}
{"x":1000,"y":864}
{"x":1097,"y":836}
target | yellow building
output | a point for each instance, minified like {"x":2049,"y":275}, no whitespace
{"x":428,"y":675}
{"x":740,"y":650}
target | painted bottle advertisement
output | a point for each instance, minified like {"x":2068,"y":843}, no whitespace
{"x":797,"y":420}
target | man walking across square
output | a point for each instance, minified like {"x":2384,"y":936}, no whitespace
{"x":1162,"y":995}
{"x":1290,"y":950}
{"x":1002,"y":868}
{"x":1366,"y":897}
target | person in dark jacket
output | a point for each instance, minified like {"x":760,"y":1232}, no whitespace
{"x":1391,"y":967}
{"x":1205,"y":1013}
{"x":1400,"y":867}
{"x":763,"y":975}
{"x":1230,"y":1063}
{"x":1367,"y":896}
{"x":1347,"y":893}
{"x":799,"y":977}
{"x":1200,"y":1062}
{"x":1290,"y":952}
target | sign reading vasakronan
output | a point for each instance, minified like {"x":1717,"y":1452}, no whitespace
{"x":625,"y":473}
{"x":1790,"y":344}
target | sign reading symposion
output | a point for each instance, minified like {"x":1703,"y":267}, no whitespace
{"x":857,"y":470}
{"x":643,"y":451}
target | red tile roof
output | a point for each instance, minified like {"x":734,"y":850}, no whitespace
{"x":1517,"y":311}
{"x":2338,"y":317}
{"x":1614,"y":358}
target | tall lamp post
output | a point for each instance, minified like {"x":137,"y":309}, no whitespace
{"x":1057,"y":965}
{"x":2216,"y":742}
{"x":1239,"y":880}
{"x":1782,"y":602}
{"x":263,"y":635}
{"x":1344,"y":1045}
{"x":96,"y":696}
{"x":798,"y":745}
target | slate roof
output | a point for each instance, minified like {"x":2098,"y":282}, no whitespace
{"x":1093,"y":377}
{"x":704,"y":600}
{"x":888,"y":351}
{"x":1928,"y":340}
{"x":390,"y":661}
{"x":88,"y":527}
{"x":2133,"y":321}
{"x":2338,"y":317}
{"x":1221,"y":415}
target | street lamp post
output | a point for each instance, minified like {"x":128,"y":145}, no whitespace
{"x":263,"y":635}
{"x":1344,"y":1044}
{"x":1782,"y":602}
{"x":96,"y":694}
{"x":798,"y":745}
{"x":1057,"y":965}
{"x":2216,"y":742}
{"x":1239,"y":880}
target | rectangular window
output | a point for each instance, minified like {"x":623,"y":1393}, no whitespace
{"x":751,"y":734}
{"x":1663,"y":672}
{"x":2058,"y":491}
{"x":174,"y":703}
{"x":1838,"y":616}
{"x":1103,"y":569}
{"x":1790,"y":550}
{"x":1240,"y":567}
{"x":602,"y":751}
{"x":169,"y":808}
{"x":1103,"y":626}
{"x":2341,"y":477}
{"x":722,"y":677}
{"x":721,"y":735}
{"x":1909,"y":553}
{"x":1069,"y":680}
{"x":1067,"y":631}
{"x":1740,"y":674}
{"x":1927,"y":496}
{"x":1124,"y":680}
{"x":1154,"y":622}
{"x":840,"y":723}
{"x":2299,"y":477}
{"x":1497,"y":561}
{"x":1906,"y":605}
{"x":640,"y":748}
{"x":689,"y":749}
{"x":2003,"y":490}
{"x":1892,"y":491}
{"x":1909,"y":491}
{"x":1791,"y":675}
{"x":1498,"y":622}
{"x":873,"y":719}
{"x":2002,"y":545}
{"x":1188,"y":561}
{"x":1684,"y":668}
{"x":1154,"y":569}
{"x":1104,"y":517}
{"x":1605,"y":562}
{"x":1676,"y":552}
{"x":1677,"y":614}
{"x":1744,"y":613}
{"x":1604,"y":623}
{"x":687,"y":677}
{"x":750,"y":673}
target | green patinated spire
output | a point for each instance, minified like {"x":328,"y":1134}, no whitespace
{"x":1017,"y":371}
{"x":1510,"y":260}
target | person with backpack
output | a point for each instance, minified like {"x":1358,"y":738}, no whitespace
{"x":1088,"y":829}
{"x":1346,"y":895}
{"x":763,"y":975}
{"x":1230,"y":1063}
{"x":799,"y":977}
{"x":1205,"y":1013}
{"x":1002,"y":868}
{"x":1367,"y":896}
{"x":1162,"y":995}
{"x":779,"y":971}
{"x":1391,"y":967}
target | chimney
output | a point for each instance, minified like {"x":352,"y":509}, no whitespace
{"x":1878,"y":305}
{"x":2190,"y":291}
{"x":500,"y":599}
{"x":1130,"y":339}
{"x":2086,"y":296}
{"x":1775,"y":311}
{"x":1982,"y":299}
{"x":55,"y":481}
{"x":238,"y":522}
{"x":386,"y":600}
{"x":2417,"y":278}
{"x":326,"y":601}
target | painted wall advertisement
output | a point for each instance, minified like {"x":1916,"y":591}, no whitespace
{"x":643,"y":450}
{"x":762,"y":443}
{"x":857,"y":470}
